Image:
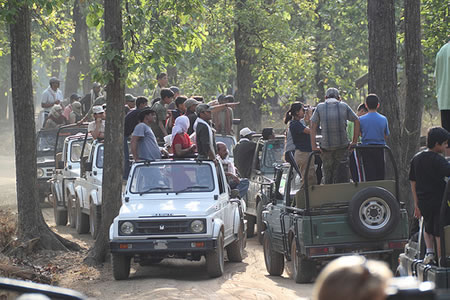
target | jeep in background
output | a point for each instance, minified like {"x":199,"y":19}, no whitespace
{"x":179,"y":208}
{"x":311,"y":226}
{"x":46,"y":141}
{"x":268,"y":153}
{"x":88,"y":188}
{"x":67,"y":169}
{"x":411,"y":261}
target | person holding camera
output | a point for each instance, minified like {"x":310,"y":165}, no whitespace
{"x":298,"y":119}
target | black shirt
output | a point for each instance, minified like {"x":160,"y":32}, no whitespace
{"x":131,"y":120}
{"x":243,"y":157}
{"x":428,"y":170}
{"x":202,"y":139}
{"x":301,"y":140}
{"x":192,"y":117}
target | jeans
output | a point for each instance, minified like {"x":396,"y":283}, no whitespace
{"x":242,"y":186}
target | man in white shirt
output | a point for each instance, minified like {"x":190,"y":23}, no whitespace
{"x":51,"y":96}
{"x":234,"y":182}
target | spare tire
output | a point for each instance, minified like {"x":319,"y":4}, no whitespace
{"x":373,"y":212}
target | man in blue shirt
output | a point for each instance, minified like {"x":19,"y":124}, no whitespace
{"x":143,"y":140}
{"x":374,"y":131}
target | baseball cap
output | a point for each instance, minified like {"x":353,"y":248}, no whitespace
{"x":98,"y":109}
{"x":203,"y":108}
{"x":189,"y":102}
{"x":75,"y":96}
{"x":130,"y":98}
{"x":54,"y":80}
{"x":246,"y":131}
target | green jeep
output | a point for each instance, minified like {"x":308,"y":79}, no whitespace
{"x":309,"y":227}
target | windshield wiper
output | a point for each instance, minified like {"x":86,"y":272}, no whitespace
{"x":161,"y":188}
{"x":192,"y":187}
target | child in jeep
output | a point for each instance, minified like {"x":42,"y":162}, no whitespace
{"x":427,"y":173}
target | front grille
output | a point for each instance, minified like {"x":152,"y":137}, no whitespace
{"x":163,"y":227}
{"x":48,"y":172}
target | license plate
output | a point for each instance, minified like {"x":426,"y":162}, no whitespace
{"x":160,"y":245}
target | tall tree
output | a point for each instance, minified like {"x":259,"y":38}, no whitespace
{"x":32,"y":229}
{"x":115,"y":89}
{"x":79,"y":54}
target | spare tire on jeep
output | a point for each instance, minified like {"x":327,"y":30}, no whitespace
{"x":373,"y":212}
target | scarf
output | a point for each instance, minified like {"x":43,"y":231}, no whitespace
{"x":181,"y":126}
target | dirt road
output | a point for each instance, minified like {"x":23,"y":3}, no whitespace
{"x":171,"y":279}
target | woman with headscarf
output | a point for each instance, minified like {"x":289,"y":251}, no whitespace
{"x":76,"y":113}
{"x":55,"y":118}
{"x":181,"y":143}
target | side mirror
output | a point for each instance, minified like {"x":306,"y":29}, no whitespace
{"x":234,"y":193}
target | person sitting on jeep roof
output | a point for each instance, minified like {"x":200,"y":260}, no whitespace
{"x":244,"y":152}
{"x":143,"y":141}
{"x":352,"y":277}
{"x":204,"y":134}
{"x":55,"y":118}
{"x":427,"y":173}
{"x":234,"y":182}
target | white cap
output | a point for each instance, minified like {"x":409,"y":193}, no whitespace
{"x":245,"y":131}
{"x":98,"y":109}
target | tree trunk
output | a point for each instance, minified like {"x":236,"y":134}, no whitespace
{"x":113,"y":169}
{"x":31,"y":224}
{"x":249,"y":111}
{"x":414,"y":84}
{"x":78,"y":57}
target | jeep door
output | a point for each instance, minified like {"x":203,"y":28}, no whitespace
{"x":224,"y":203}
{"x":255,"y":180}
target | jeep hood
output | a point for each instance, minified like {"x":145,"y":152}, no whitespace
{"x":173,"y":205}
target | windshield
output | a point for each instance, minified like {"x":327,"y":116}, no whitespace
{"x":75,"y":151}
{"x":100,"y":157}
{"x":273,"y":153}
{"x":172,"y":178}
{"x":227,"y":140}
{"x":46,"y":141}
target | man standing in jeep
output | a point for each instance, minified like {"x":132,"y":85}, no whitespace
{"x":244,"y":151}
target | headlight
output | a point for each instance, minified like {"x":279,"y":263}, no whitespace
{"x":197,"y":226}
{"x":40,"y":173}
{"x":127,"y":228}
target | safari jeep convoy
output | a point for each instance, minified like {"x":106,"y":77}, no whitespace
{"x":178,"y":209}
{"x":311,"y":226}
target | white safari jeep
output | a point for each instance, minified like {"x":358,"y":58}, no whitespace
{"x":177,"y":209}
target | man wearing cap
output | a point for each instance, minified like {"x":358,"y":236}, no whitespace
{"x":190,"y":105}
{"x":51,"y":96}
{"x":75,"y":115}
{"x":130,"y":103}
{"x":143,"y":140}
{"x":88,"y":99}
{"x":97,"y":127}
{"x":204,"y":134}
{"x":244,"y":152}
{"x":332,"y":116}
{"x":68,"y":109}
{"x":55,"y":118}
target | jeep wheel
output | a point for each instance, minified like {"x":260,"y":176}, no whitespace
{"x":235,"y":250}
{"x":373,"y":212}
{"x":259,"y":223}
{"x":215,"y":259}
{"x":120,"y":266}
{"x":71,"y":210}
{"x":82,"y":225}
{"x":60,"y":213}
{"x":300,"y":269}
{"x":251,"y":220}
{"x":274,"y":260}
{"x":95,"y":219}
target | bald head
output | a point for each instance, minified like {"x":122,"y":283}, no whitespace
{"x":222,"y":150}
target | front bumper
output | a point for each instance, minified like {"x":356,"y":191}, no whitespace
{"x":163,"y":246}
